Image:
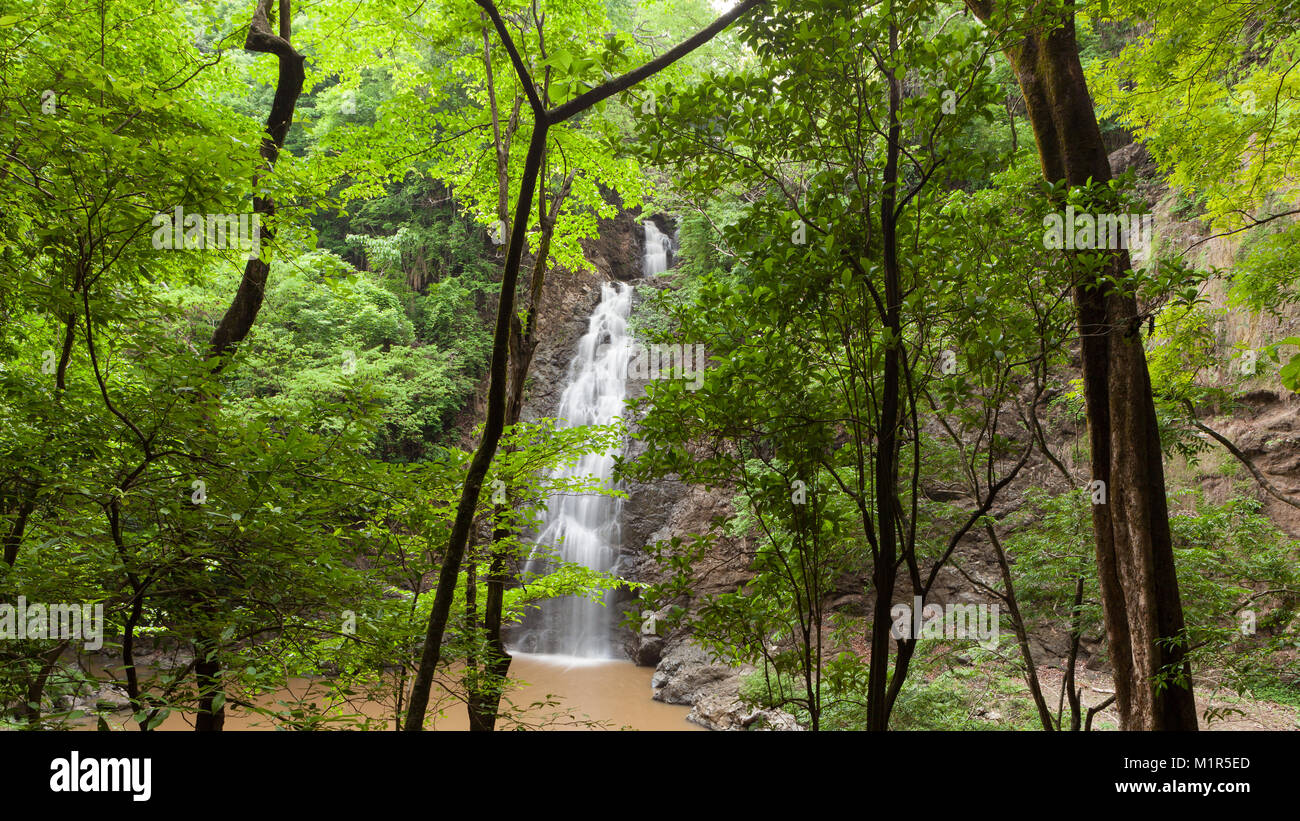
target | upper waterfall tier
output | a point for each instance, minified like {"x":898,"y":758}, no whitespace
{"x":657,"y":247}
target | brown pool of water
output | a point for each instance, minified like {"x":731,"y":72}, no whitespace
{"x":552,"y":692}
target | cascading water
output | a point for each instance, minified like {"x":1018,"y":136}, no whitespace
{"x":657,"y":247}
{"x":587,"y":528}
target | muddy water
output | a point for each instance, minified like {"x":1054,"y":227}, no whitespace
{"x":580,"y":694}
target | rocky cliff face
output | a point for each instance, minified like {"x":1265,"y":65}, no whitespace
{"x":568,"y":299}
{"x":1266,"y":428}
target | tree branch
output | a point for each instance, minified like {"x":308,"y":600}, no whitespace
{"x":1241,"y":457}
{"x":584,"y":101}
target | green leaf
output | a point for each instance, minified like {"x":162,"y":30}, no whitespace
{"x":1290,"y":374}
{"x":157,"y":720}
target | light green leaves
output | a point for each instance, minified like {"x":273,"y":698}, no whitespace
{"x":1290,"y":372}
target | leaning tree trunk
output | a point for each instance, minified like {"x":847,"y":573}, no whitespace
{"x":241,"y":314}
{"x":485,"y":706}
{"x":1135,"y":562}
{"x":239,"y":317}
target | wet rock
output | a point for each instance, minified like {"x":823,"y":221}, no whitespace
{"x":619,"y":247}
{"x":646,"y":646}
{"x":722,"y":711}
{"x":688,"y":673}
{"x":1133,"y":156}
{"x":106,"y":698}
{"x":646,"y":651}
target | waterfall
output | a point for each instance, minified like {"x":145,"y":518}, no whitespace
{"x":657,"y":247}
{"x":586,"y":528}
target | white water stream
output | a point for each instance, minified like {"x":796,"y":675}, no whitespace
{"x":657,"y":247}
{"x":587,"y":528}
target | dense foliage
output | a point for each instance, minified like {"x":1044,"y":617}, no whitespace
{"x":891,"y":411}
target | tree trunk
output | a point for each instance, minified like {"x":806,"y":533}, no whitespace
{"x":239,"y":317}
{"x":885,"y":572}
{"x":241,"y":314}
{"x":523,"y":344}
{"x":207,"y":674}
{"x":30,"y":709}
{"x":449,"y":573}
{"x":1135,"y":563}
{"x":1022,"y":634}
{"x":485,"y":703}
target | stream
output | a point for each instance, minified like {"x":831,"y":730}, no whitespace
{"x":591,"y":694}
